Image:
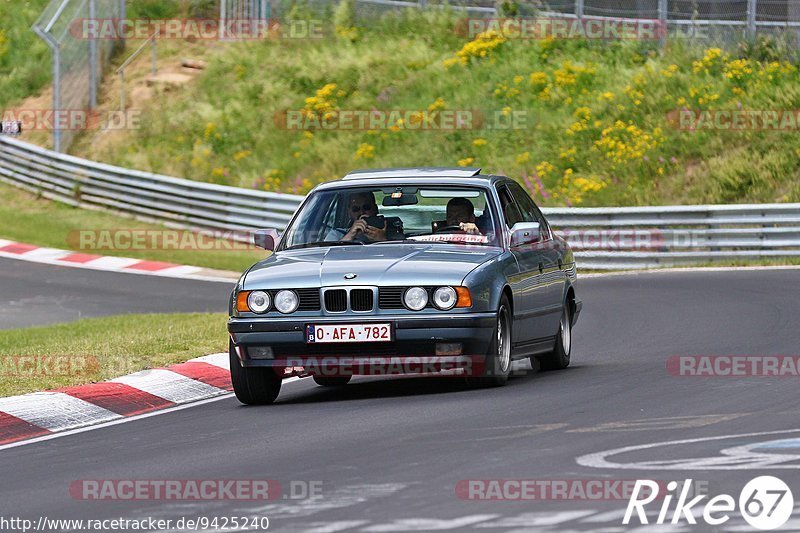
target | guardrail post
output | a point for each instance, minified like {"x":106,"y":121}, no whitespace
{"x":579,"y":9}
{"x":752,"y":5}
{"x":663,"y":14}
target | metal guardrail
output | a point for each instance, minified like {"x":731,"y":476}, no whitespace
{"x":613,"y":238}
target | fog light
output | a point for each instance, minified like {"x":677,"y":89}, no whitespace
{"x":260,"y":352}
{"x":449,"y":348}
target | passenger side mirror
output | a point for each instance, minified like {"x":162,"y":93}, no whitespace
{"x":525,"y":233}
{"x":265,"y":238}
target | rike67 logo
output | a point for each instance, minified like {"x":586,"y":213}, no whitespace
{"x":765,"y":503}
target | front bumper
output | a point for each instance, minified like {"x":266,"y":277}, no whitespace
{"x":412,"y":337}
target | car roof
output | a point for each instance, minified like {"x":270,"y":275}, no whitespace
{"x":414,"y":175}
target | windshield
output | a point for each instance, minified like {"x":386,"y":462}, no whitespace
{"x":401,"y":214}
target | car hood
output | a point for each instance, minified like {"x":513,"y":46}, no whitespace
{"x":378,"y":264}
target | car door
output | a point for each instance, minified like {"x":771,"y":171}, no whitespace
{"x":548,"y":254}
{"x":526,"y":285}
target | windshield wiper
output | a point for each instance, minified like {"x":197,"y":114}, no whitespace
{"x":323,"y":243}
{"x":402,"y":241}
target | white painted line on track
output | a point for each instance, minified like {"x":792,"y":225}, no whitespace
{"x":539,"y":518}
{"x":431,"y":524}
{"x":600,"y":459}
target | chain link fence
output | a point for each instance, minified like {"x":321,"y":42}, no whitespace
{"x":718,"y":21}
{"x":78,"y":63}
{"x":244,"y":10}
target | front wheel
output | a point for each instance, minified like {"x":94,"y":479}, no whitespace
{"x":559,"y":358}
{"x":253,"y":386}
{"x":498,"y":361}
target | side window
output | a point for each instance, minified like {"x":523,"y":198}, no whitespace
{"x":524,"y":202}
{"x":511,"y":213}
{"x":529,"y":211}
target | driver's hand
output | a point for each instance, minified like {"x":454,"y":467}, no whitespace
{"x":375,"y":234}
{"x":470,"y":228}
{"x":358,"y":225}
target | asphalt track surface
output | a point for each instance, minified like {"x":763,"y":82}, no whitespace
{"x":390,"y":453}
{"x":33,"y":294}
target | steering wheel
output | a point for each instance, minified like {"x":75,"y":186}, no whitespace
{"x":450,"y":229}
{"x":362,"y":238}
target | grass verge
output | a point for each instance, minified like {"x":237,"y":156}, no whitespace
{"x":26,"y":218}
{"x":97,"y":349}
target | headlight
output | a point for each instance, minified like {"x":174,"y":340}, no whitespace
{"x":416,"y":298}
{"x":286,"y":302}
{"x":258,"y":302}
{"x":444,"y":298}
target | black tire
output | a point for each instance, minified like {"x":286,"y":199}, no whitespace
{"x":559,"y":358}
{"x":253,"y":386}
{"x":498,"y":358}
{"x":332,"y":381}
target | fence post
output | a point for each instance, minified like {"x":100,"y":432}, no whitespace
{"x":122,"y":15}
{"x":751,"y":19}
{"x":663,"y":13}
{"x":56,"y":97}
{"x":122,"y":90}
{"x":222,"y":14}
{"x":153,"y":52}
{"x":579,"y":9}
{"x":93,"y":66}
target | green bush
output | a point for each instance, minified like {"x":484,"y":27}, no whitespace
{"x":24,"y":57}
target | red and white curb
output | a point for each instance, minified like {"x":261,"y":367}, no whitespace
{"x":40,"y":414}
{"x":55,"y":256}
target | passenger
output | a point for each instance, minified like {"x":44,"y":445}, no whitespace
{"x":461,"y":213}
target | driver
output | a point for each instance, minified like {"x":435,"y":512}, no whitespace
{"x":361,"y":205}
{"x":461,"y":213}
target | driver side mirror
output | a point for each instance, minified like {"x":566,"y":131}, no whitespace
{"x":525,"y":233}
{"x":265,"y":238}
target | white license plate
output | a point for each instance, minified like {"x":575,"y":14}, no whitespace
{"x":349,"y":333}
